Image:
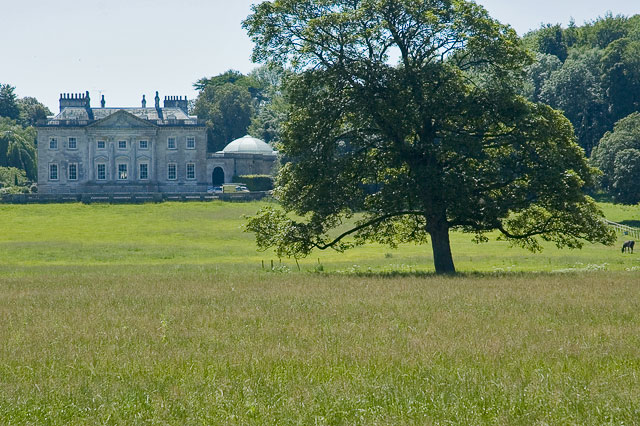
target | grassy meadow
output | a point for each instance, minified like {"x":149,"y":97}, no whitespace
{"x":212,"y":234}
{"x":162,"y":314}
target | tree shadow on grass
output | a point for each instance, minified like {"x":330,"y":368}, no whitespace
{"x":461,"y":275}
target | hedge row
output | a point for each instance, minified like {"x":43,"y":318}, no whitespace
{"x":256,"y":182}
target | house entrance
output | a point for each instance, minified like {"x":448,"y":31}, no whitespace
{"x":218,"y":176}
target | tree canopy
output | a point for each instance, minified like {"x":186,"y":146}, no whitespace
{"x":618,"y":156}
{"x":440,"y":140}
{"x":597,"y":82}
{"x":17,"y":136}
{"x":227,"y":110}
{"x":17,"y":147}
{"x":576,"y":90}
{"x":8,"y":102}
{"x":233,"y":104}
{"x":31,"y":111}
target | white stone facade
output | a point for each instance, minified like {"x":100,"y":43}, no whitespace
{"x":85,"y":150}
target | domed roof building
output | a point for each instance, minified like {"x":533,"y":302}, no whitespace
{"x":243,"y":156}
{"x":248,"y":145}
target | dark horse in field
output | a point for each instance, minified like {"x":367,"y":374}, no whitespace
{"x":628,"y":246}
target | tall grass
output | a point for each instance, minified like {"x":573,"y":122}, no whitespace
{"x":196,"y":345}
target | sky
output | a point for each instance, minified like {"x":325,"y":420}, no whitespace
{"x":123,"y":49}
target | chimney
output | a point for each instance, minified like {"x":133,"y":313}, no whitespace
{"x":177,"y":102}
{"x":144,"y":102}
{"x":74,"y":100}
{"x":87,"y":105}
{"x":157,"y":100}
{"x":102,"y":102}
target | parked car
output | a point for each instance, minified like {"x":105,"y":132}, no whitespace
{"x":214,"y":189}
{"x":230,"y":188}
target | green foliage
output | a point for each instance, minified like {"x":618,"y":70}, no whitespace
{"x":234,"y":105}
{"x":539,"y":72}
{"x":227,"y":110}
{"x":548,"y":40}
{"x":617,"y":157}
{"x":8,"y":102}
{"x":443,"y":138}
{"x":12,"y":177}
{"x":17,"y":147}
{"x":621,"y":77}
{"x":232,"y":77}
{"x":256,"y":182}
{"x":17,"y":137}
{"x":266,"y":124}
{"x":599,"y":81}
{"x":604,"y":30}
{"x":626,"y":168}
{"x":31,"y":111}
{"x":576,"y":90}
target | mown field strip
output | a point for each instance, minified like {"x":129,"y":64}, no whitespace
{"x":212,"y":234}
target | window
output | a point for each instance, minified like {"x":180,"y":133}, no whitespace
{"x":53,"y":143}
{"x":73,"y":143}
{"x":144,"y":144}
{"x":102,"y":172}
{"x":101,"y":145}
{"x":73,"y":171}
{"x":144,"y":171}
{"x":171,"y":143}
{"x":122,"y":172}
{"x":191,"y":171}
{"x":172,"y":171}
{"x":53,"y":172}
{"x":122,"y":144}
{"x":191,"y":142}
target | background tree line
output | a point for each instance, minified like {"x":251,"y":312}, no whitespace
{"x":18,"y":152}
{"x":592,"y":74}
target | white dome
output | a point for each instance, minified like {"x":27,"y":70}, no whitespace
{"x":248,"y":145}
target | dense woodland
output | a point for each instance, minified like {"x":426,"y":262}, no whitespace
{"x":591,"y":73}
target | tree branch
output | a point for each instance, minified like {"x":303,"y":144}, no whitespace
{"x":366,"y":225}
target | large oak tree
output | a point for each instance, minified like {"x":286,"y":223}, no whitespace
{"x":407,"y":112}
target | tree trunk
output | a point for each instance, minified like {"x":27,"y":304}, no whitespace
{"x":442,"y":259}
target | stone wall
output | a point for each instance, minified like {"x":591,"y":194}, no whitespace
{"x":236,"y":164}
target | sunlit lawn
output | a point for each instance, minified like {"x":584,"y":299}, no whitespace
{"x":211,"y":234}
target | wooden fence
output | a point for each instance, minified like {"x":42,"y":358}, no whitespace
{"x":624,"y":229}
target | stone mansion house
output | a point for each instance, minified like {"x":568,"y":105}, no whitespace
{"x":85,"y":150}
